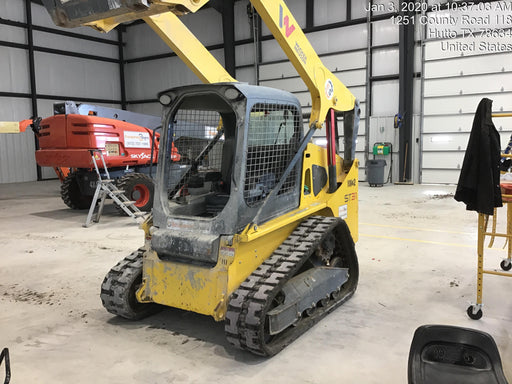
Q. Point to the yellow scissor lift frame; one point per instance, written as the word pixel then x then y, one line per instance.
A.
pixel 474 311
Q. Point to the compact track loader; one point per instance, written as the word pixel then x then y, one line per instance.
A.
pixel 252 223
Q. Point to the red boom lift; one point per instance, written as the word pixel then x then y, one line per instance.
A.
pixel 128 141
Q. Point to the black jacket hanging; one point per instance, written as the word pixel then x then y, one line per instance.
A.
pixel 479 181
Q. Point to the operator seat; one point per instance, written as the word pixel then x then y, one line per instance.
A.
pixel 442 354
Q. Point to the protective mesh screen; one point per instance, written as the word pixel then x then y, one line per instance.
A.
pixel 272 142
pixel 196 149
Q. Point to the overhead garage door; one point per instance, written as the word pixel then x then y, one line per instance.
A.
pixel 458 72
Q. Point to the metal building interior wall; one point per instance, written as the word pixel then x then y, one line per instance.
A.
pixel 45 63
pixel 337 30
pixel 42 64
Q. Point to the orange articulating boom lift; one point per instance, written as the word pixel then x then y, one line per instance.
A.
pixel 129 142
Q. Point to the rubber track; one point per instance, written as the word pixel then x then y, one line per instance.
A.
pixel 245 316
pixel 116 283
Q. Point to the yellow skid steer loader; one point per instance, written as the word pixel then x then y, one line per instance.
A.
pixel 252 223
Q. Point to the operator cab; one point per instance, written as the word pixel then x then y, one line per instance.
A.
pixel 226 147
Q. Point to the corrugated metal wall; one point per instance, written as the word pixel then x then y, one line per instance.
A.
pixel 59 76
pixel 17 162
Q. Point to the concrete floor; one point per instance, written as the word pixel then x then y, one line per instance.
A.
pixel 417 255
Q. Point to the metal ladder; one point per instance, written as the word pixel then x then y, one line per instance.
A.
pixel 107 187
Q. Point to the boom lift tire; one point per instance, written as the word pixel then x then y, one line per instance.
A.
pixel 71 194
pixel 246 323
pixel 137 187
pixel 120 285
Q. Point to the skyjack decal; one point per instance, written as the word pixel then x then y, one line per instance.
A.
pixel 288 29
pixel 141 156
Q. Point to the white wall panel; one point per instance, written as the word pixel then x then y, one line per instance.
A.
pixel 298 10
pixel 444 49
pixel 242 25
pixel 443 124
pixel 358 92
pixel 323 42
pixel 355 62
pixel 14 70
pixel 293 84
pixel 244 54
pixel 70 44
pixel 17 159
pixel 247 75
pixel 384 32
pixel 443 160
pixel 330 11
pixel 417 98
pixel 72 76
pixel 439 176
pixel 206 25
pixel 296 84
pixel 358 9
pixel 304 98
pixel 146 79
pixel 385 98
pixel 12 10
pixel 445 141
pixel 345 61
pixel 417 58
pixel 13 34
pixel 142 41
pixel 271 51
pixel 474 65
pixel 385 61
pixel 503 124
pixel 339 39
pixel 465 104
pixel 463 85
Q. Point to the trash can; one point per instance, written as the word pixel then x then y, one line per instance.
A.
pixel 376 172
